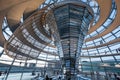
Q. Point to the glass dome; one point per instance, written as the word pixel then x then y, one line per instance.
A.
pixel 28 40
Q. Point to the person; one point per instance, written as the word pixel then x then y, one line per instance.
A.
pixel 5 72
pixel 0 73
pixel 119 49
pixel 105 52
pixel 59 78
pixel 33 73
pixel 47 78
pixel 101 42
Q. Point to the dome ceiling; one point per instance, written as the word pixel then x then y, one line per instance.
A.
pixel 106 22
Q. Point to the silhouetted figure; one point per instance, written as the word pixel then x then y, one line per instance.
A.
pixel 101 42
pixel 59 78
pixel 47 78
pixel 5 72
pixel 119 49
pixel 33 73
pixel 116 77
pixel 68 78
pixel 50 78
pixel 0 73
